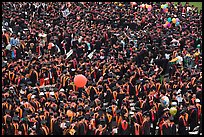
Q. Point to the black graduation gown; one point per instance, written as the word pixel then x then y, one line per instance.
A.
pixel 193 118
pixel 172 129
pixel 165 129
pixel 9 131
pixel 81 129
pixel 124 131
pixel 56 129
pixel 146 128
pixel 182 128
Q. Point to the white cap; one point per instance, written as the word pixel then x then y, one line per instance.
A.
pixel 197 100
pixel 22 92
pixel 52 93
pixel 61 90
pixel 41 94
pixel 174 104
pixel 33 96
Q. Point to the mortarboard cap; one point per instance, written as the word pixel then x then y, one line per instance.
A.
pixel 118 111
pixel 43 122
pixel 15 119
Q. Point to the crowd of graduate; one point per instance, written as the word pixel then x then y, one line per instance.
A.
pixel 137 61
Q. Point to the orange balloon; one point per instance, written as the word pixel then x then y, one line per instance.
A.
pixel 80 80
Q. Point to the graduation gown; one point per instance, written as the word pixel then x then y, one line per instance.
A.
pixel 124 128
pixel 193 118
pixel 146 128
pixel 81 129
pixel 182 126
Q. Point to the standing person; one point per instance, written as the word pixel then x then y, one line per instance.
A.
pixel 44 130
pixel 137 129
pixel 182 125
pixel 24 126
pixel 193 116
pixel 169 127
pixel 146 124
pixel 153 120
pixel 15 126
pixel 124 127
pixel 172 126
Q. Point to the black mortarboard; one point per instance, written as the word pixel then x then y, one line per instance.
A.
pixel 91 113
pixel 22 85
pixel 100 112
pixel 80 108
pixel 109 111
pixel 182 111
pixel 138 81
pixel 91 104
pixel 43 122
pixel 33 115
pixel 87 117
pixel 96 96
pixel 87 108
pixel 118 111
pixel 114 88
pixel 29 82
pixel 25 99
pixel 137 109
pixel 54 109
pixel 15 119
pixel 34 92
pixel 103 108
pixel 26 109
pixel 120 82
pixel 55 89
pixel 146 113
pixel 80 117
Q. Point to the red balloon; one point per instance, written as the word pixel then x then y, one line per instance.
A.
pixel 80 80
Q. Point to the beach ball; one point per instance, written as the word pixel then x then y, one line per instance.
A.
pixel 173 111
pixel 80 80
pixel 165 7
pixel 177 23
pixel 169 19
pixel 165 10
pixel 162 6
pixel 164 101
pixel 174 20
